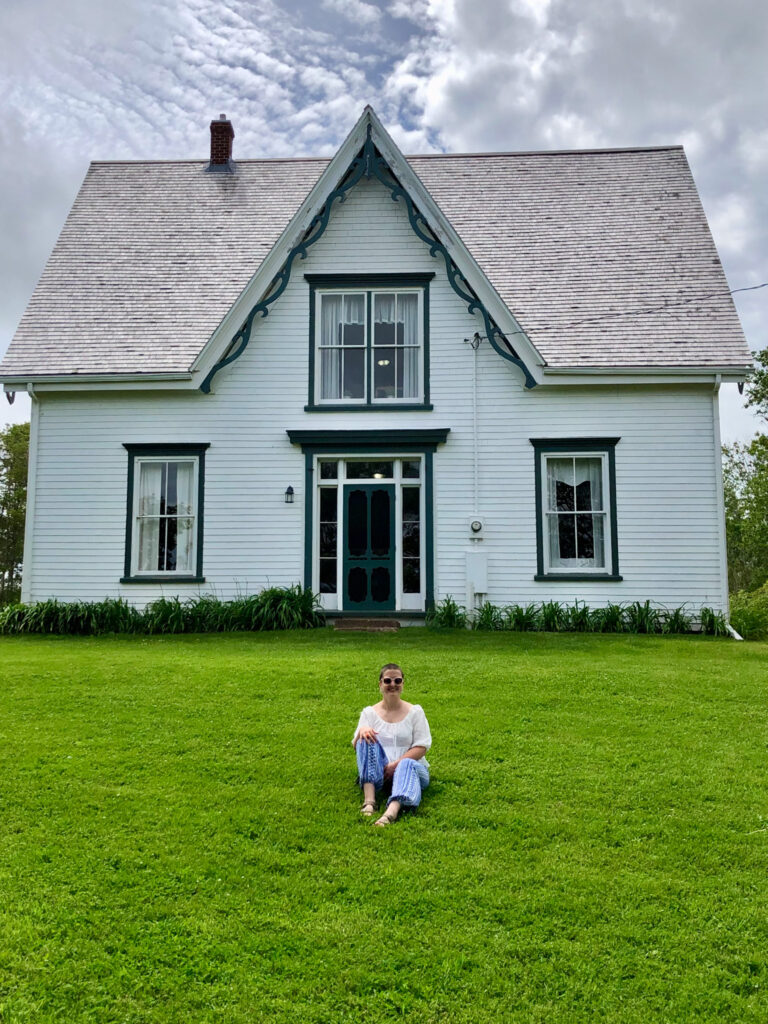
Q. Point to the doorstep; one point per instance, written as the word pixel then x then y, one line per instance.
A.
pixel 367 625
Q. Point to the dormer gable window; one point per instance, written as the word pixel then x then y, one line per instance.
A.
pixel 369 344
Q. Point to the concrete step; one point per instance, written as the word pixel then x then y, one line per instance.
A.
pixel 367 625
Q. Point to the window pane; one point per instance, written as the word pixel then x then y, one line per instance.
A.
pixel 410 504
pixel 384 319
pixel 411 576
pixel 411 540
pixel 327 575
pixel 589 540
pixel 328 471
pixel 328 505
pixel 354 320
pixel 408 315
pixel 589 484
pixel 354 373
pixel 560 495
pixel 149 544
pixel 330 319
pixel 368 470
pixel 384 373
pixel 330 373
pixel 150 488
pixel 411 469
pixel 408 373
pixel 328 540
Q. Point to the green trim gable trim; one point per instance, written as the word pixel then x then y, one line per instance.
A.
pixel 369 163
pixel 603 445
pixel 368 280
pixel 169 450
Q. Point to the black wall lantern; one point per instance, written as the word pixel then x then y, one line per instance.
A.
pixel 289 495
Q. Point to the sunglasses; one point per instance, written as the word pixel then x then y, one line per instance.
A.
pixel 397 682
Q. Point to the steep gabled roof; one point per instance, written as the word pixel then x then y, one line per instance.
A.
pixel 154 255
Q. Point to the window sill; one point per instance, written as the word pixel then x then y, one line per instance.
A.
pixel 163 579
pixel 374 407
pixel 567 577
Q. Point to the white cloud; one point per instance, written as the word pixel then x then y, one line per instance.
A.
pixel 355 10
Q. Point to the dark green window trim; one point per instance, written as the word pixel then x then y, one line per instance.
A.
pixel 602 445
pixel 169 451
pixel 365 442
pixel 370 282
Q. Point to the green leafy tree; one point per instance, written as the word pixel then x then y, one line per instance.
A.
pixel 745 484
pixel 757 385
pixel 14 455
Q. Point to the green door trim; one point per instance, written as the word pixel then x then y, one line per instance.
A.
pixel 368 605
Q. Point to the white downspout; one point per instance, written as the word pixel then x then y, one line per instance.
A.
pixel 34 432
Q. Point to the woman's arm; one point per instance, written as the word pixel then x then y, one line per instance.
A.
pixel 414 753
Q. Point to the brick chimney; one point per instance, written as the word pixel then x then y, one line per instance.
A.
pixel 222 134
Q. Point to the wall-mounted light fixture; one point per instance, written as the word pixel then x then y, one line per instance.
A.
pixel 289 495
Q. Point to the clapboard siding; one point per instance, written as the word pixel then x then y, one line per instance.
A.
pixel 669 519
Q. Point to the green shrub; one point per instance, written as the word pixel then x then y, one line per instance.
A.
pixel 577 618
pixel 610 619
pixel 713 623
pixel 642 618
pixel 676 621
pixel 749 613
pixel 273 608
pixel 446 614
pixel 521 618
pixel 551 616
pixel 488 617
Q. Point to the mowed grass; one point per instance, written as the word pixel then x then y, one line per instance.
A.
pixel 181 839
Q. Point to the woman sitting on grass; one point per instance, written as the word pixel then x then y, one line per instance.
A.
pixel 391 740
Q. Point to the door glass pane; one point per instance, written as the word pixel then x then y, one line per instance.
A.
pixel 327 504
pixel 327 540
pixel 411 469
pixel 357 523
pixel 370 470
pixel 411 540
pixel 357 584
pixel 327 575
pixel 381 585
pixel 328 470
pixel 380 520
pixel 411 576
pixel 410 504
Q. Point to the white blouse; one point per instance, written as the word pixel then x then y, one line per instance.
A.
pixel 397 737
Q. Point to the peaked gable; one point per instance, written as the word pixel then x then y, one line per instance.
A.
pixel 431 227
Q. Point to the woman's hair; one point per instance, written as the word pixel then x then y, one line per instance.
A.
pixel 387 668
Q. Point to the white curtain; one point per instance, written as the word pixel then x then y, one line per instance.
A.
pixel 408 312
pixel 153 532
pixel 185 528
pixel 330 335
pixel 575 485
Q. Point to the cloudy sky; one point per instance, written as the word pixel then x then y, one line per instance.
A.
pixel 89 79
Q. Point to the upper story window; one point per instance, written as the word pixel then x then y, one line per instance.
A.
pixel 370 342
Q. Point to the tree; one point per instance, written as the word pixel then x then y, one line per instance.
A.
pixel 14 455
pixel 745 485
pixel 757 385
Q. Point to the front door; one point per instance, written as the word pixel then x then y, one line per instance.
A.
pixel 369 547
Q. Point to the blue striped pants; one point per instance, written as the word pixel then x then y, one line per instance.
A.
pixel 408 781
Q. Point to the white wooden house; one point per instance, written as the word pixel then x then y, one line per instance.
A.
pixel 391 379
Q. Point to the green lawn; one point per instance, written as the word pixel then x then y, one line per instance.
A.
pixel 181 839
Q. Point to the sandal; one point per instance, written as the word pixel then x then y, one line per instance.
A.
pixel 385 819
pixel 368 808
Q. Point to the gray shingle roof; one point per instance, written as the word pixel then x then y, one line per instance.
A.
pixel 152 256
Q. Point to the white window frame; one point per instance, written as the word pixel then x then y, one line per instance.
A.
pixel 369 347
pixel 141 460
pixel 570 570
